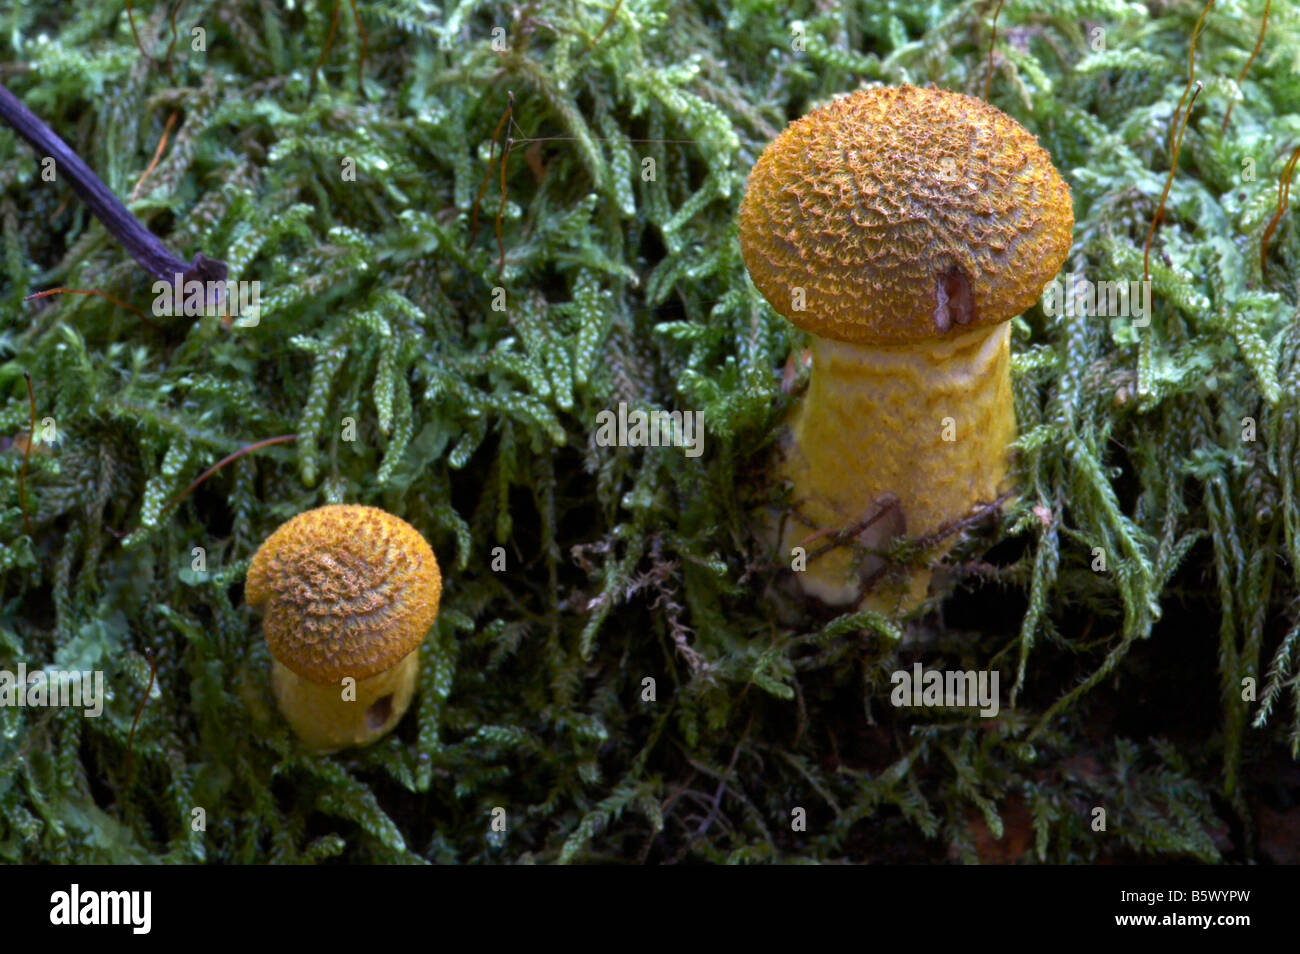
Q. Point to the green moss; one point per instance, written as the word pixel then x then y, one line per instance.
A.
pixel 475 424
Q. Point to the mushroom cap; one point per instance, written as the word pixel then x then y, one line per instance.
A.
pixel 904 214
pixel 346 590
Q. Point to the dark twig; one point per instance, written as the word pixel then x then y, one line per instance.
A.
pixel 722 781
pixel 1176 133
pixel 846 535
pixel 282 439
pixel 157 155
pixel 145 247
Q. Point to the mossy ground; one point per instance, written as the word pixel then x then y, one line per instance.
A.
pixel 1122 689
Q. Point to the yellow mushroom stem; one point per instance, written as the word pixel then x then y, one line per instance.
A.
pixel 335 715
pixel 892 441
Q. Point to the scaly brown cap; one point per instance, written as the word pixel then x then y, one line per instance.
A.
pixel 904 214
pixel 347 591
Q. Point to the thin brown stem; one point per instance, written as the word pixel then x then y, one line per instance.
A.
pixel 501 209
pixel 609 21
pixel 1191 76
pixel 145 247
pixel 130 16
pixel 487 175
pixel 361 60
pixel 167 64
pixel 1263 25
pixel 1173 169
pixel 100 294
pixel 1283 197
pixel 27 453
pixel 270 441
pixel 130 739
pixel 157 155
pixel 329 41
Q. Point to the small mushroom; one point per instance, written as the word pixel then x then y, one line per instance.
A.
pixel 901 227
pixel 348 595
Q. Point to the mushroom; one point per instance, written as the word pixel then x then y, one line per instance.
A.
pixel 349 594
pixel 903 228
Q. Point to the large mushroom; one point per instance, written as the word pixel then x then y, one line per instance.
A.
pixel 901 227
pixel 348 594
